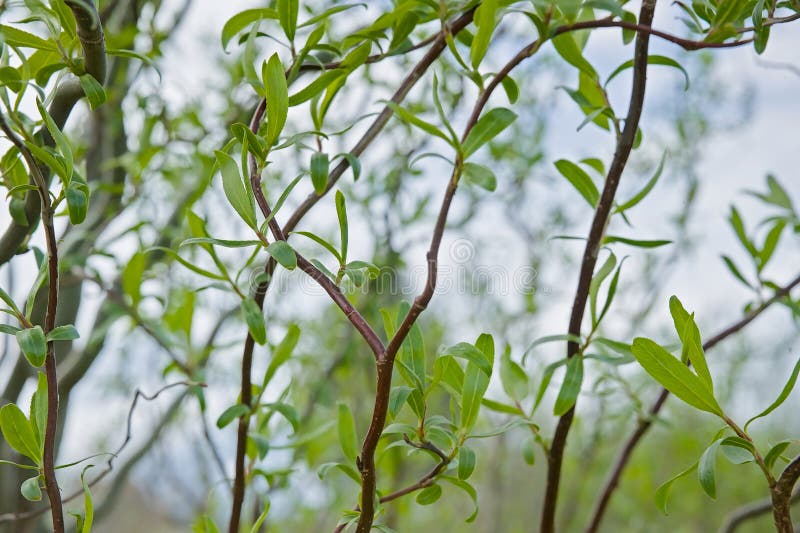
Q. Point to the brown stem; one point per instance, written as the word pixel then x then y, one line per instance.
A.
pixel 625 454
pixel 602 212
pixel 782 497
pixel 751 510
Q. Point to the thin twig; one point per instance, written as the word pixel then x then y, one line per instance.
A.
pixel 625 454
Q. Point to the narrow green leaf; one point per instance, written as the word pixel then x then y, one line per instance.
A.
pixel 263 516
pixel 254 318
pixel 480 175
pixel 674 375
pixel 468 352
pixel 93 90
pixel 429 495
pixel 232 413
pixel 319 171
pixel 690 338
pixel 348 439
pixel 635 242
pixel 513 377
pixel 242 20
pixel 639 196
pixel 317 86
pixel 662 492
pixel 59 138
pixel 88 503
pixel 775 452
pixel 235 189
pixel 471 492
pixel 787 389
pixel 287 14
pixel 571 386
pixel 341 212
pixel 33 344
pixel 16 37
pixel 427 127
pixel 485 20
pixel 487 128
pixel 283 254
pixel 653 60
pixel 38 410
pixel 735 270
pixel 706 469
pixel 568 48
pixel 277 95
pixel 282 353
pixel 63 333
pixel 319 240
pixel 770 243
pixel 466 462
pixel 580 180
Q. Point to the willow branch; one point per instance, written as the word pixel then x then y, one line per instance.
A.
pixel 601 216
pixel 92 40
pixel 626 452
pixel 782 497
pixel 750 511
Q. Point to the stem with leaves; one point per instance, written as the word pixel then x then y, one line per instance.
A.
pixel 626 452
pixel 602 212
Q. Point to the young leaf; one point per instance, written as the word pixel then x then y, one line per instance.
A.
pixel 513 377
pixel 319 171
pixel 232 413
pixel 38 409
pixel 485 20
pixel 787 389
pixel 571 386
pixel 662 492
pixel 59 138
pixel 317 86
pixel 282 353
pixel 480 175
pixel 471 492
pixel 690 338
pixel 348 439
pixel 639 196
pixel 466 462
pixel 88 503
pixel 429 495
pixel 341 212
pixel 33 344
pixel 706 469
pixel 283 254
pixel 240 21
pixel 94 91
pixel 468 352
pixel 580 180
pixel 63 333
pixel 427 127
pixel 254 318
pixel 263 516
pixel 487 128
pixel 476 381
pixel 235 189
pixel 653 60
pixel 277 95
pixel 18 433
pixel 674 376
pixel 287 14
pixel 31 490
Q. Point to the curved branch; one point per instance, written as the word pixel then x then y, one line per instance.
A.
pixel 750 511
pixel 782 497
pixel 625 454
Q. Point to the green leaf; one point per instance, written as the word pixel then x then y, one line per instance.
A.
pixel 513 377
pixel 19 433
pixel 255 320
pixel 319 172
pixel 662 492
pixel 317 86
pixel 738 227
pixel 277 95
pixel 529 451
pixel 397 399
pixel 287 14
pixel 283 254
pixel 263 516
pixel 787 389
pixel 429 495
pixel 319 240
pixel 348 439
pixel 132 277
pixel 511 88
pixel 341 212
pixel 31 490
pixel 690 338
pixel 15 37
pixel 88 503
pixel 775 452
pixel 737 450
pixel 639 196
pixel 653 60
pixel 580 180
pixel 571 386
pixel 480 175
pixel 635 242
pixel 485 17
pixel 468 352
pixel 93 90
pixel 240 21
pixel 674 376
pixel 220 242
pixel 38 410
pixel 735 270
pixel 414 120
pixel 324 470
pixel 61 141
pixel 466 462
pixel 77 195
pixel 33 344
pixel 282 353
pixel 770 243
pixel 501 407
pixel 568 48
pixel 476 381
pixel 232 413
pixel 63 333
pixel 235 190
pixel 706 469
pixel 487 128
pixel 471 492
